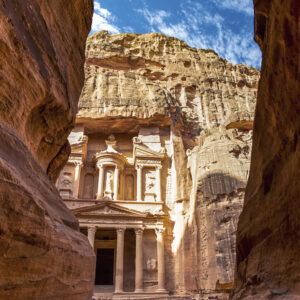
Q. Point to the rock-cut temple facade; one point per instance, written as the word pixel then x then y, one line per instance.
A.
pixel 117 186
pixel 160 157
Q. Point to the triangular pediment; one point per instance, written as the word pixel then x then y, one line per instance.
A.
pixel 144 151
pixel 107 208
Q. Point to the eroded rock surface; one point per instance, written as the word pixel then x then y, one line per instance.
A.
pixel 207 105
pixel 268 241
pixel 42 253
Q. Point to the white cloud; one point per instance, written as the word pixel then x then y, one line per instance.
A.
pixel 103 20
pixel 157 22
pixel 154 18
pixel 245 6
pixel 191 27
pixel 127 29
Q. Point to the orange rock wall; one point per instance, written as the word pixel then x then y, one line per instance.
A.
pixel 42 254
pixel 268 238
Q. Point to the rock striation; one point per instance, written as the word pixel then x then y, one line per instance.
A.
pixel 42 253
pixel 268 242
pixel 134 81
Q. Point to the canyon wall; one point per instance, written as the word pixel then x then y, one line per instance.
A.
pixel 42 253
pixel 268 237
pixel 207 104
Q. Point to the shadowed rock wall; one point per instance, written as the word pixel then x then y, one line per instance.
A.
pixel 42 254
pixel 268 238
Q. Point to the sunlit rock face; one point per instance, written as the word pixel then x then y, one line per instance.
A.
pixel 198 110
pixel 268 243
pixel 42 253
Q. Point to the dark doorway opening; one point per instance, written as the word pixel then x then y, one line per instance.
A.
pixel 105 267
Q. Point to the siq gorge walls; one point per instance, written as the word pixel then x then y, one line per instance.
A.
pixel 134 81
pixel 268 237
pixel 42 253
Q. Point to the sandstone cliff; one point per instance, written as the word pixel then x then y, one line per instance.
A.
pixel 42 254
pixel 268 241
pixel 136 80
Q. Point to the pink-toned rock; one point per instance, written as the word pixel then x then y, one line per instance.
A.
pixel 268 237
pixel 42 253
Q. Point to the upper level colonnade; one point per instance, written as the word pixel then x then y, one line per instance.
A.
pixel 113 175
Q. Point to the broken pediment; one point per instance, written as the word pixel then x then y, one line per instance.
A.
pixel 141 151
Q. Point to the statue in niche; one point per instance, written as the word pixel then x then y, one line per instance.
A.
pixel 151 264
pixel 88 186
pixel 109 184
pixel 149 186
pixel 66 185
pixel 129 187
pixel 150 182
pixel 66 181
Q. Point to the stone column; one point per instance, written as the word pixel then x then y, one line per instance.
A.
pixel 91 235
pixel 139 260
pixel 116 183
pixel 77 179
pixel 139 169
pixel 160 259
pixel 158 184
pixel 100 181
pixel 120 261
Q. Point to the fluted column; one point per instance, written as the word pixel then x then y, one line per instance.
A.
pixel 77 179
pixel 91 235
pixel 120 260
pixel 139 260
pixel 158 184
pixel 160 259
pixel 139 183
pixel 100 181
pixel 116 183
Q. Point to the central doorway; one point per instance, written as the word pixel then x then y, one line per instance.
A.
pixel 105 267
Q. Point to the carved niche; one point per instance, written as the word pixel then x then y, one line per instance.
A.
pixel 109 182
pixel 149 181
pixel 66 185
pixel 88 188
pixel 129 184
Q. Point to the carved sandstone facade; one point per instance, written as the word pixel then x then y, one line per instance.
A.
pixel 159 163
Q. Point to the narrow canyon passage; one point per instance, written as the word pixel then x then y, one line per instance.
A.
pixel 143 189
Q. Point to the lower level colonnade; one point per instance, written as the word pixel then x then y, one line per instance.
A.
pixel 119 258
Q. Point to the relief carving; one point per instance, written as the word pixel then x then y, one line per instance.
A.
pixel 88 186
pixel 109 183
pixel 129 183
pixel 66 185
pixel 149 185
pixel 151 264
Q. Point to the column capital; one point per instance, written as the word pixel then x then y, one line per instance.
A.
pixel 75 161
pixel 138 231
pixel 99 165
pixel 158 167
pixel 159 230
pixel 139 166
pixel 120 229
pixel 92 229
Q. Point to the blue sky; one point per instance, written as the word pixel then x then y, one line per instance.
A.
pixel 225 26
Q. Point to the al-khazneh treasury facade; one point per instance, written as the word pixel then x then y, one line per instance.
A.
pixel 159 165
pixel 117 186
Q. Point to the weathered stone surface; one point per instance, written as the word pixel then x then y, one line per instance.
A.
pixel 268 241
pixel 42 253
pixel 204 109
